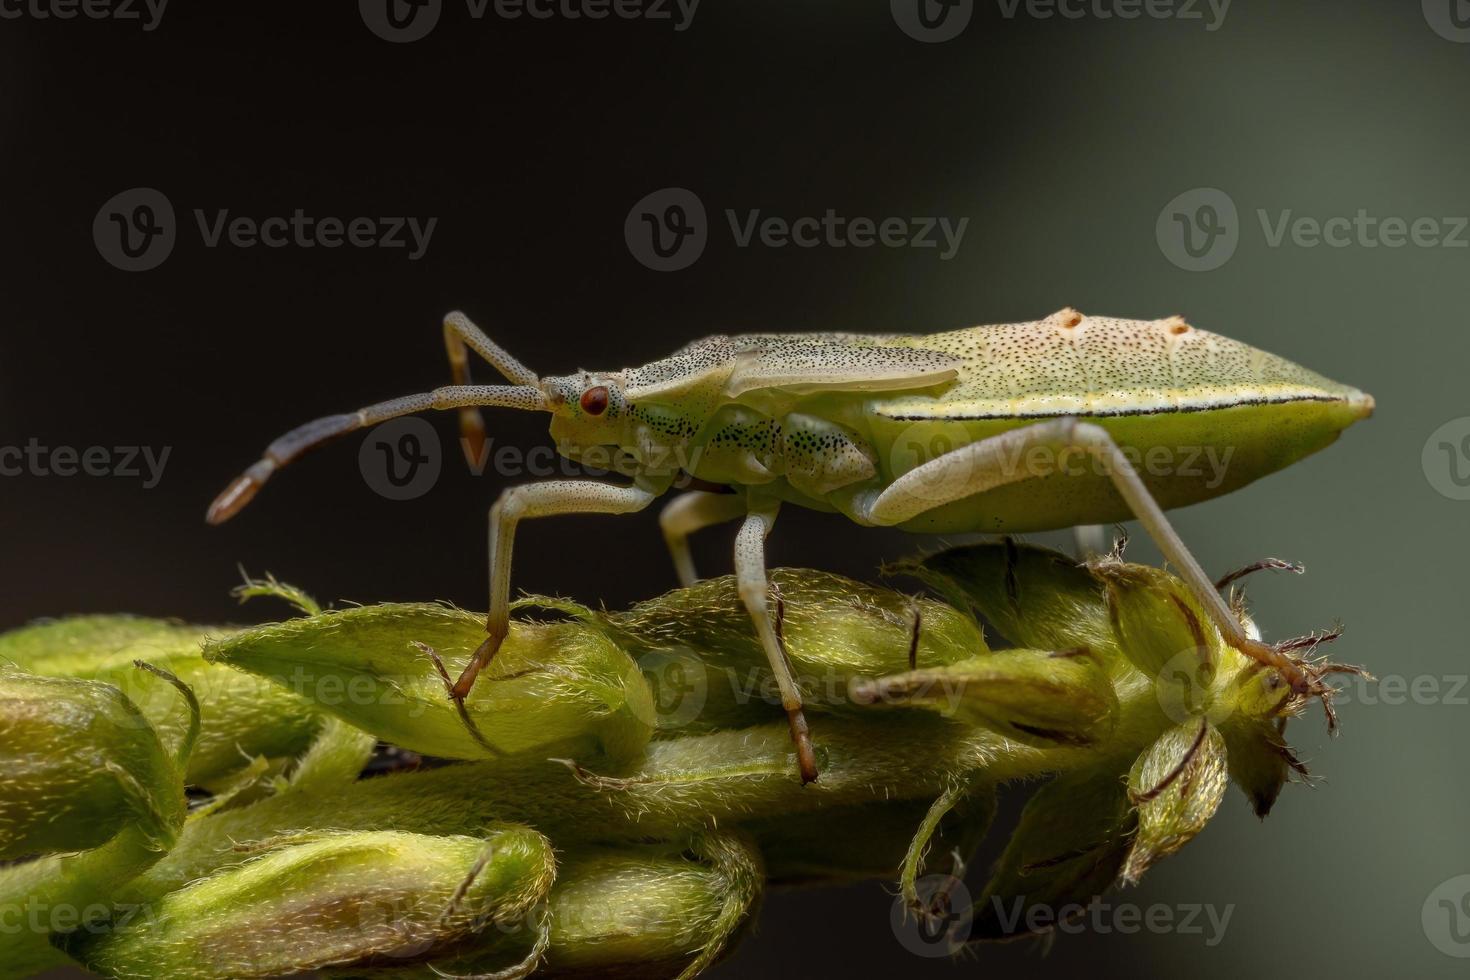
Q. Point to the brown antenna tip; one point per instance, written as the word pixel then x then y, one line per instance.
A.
pixel 240 492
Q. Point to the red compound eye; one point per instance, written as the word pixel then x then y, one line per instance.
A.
pixel 594 400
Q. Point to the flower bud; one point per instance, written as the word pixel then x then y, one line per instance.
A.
pixel 560 687
pixel 1259 760
pixel 1035 597
pixel 709 671
pixel 1155 621
pixel 331 900
pixel 1073 838
pixel 1177 785
pixel 1034 696
pixel 645 910
pixel 78 762
pixel 242 716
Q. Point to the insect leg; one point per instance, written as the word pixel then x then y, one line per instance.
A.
pixel 690 512
pixel 750 576
pixel 1005 458
pixel 459 331
pixel 515 505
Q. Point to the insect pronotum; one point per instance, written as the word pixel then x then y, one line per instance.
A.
pixel 988 428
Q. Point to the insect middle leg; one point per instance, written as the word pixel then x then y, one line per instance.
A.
pixel 750 577
pixel 515 505
pixel 690 512
pixel 996 461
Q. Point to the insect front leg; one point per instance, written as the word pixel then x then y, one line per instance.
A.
pixel 1002 459
pixel 460 332
pixel 750 577
pixel 515 505
pixel 690 512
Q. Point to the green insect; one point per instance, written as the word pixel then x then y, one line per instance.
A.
pixel 1067 421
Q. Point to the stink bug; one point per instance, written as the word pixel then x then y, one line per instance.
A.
pixel 1007 428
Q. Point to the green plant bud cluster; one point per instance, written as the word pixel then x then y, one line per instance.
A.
pixel 242 715
pixel 620 788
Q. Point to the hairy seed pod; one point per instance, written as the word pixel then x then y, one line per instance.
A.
pixel 553 688
pixel 329 900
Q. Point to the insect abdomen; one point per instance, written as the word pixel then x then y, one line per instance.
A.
pixel 1070 364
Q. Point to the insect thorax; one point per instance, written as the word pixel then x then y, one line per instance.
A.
pixel 743 446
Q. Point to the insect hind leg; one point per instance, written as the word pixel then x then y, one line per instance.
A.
pixel 1006 458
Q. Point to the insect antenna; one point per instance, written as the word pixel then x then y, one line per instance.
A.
pixel 319 431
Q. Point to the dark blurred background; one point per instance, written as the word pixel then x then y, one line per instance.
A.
pixel 1068 142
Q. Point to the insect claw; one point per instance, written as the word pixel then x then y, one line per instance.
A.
pixel 806 756
pixel 483 654
pixel 464 714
